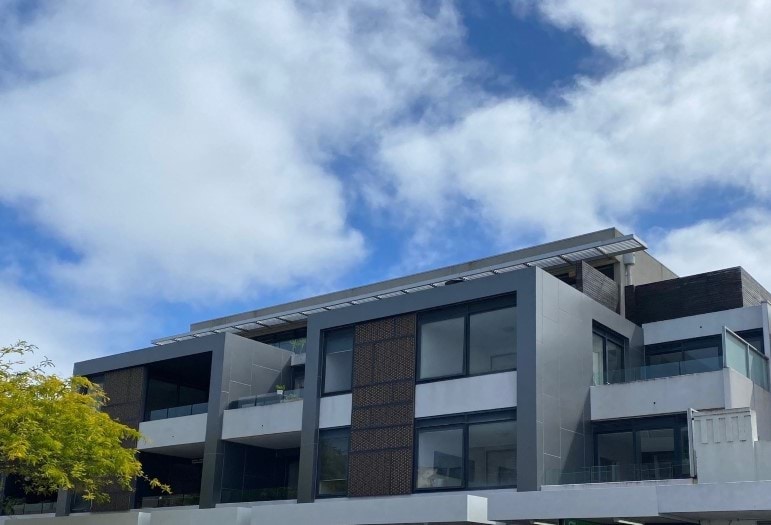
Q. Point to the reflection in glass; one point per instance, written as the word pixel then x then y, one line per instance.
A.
pixel 493 341
pixel 440 458
pixel 492 454
pixel 441 347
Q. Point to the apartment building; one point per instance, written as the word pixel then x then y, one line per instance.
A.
pixel 576 381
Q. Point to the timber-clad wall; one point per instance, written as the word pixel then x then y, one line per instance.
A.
pixel 382 419
pixel 597 285
pixel 693 295
pixel 125 388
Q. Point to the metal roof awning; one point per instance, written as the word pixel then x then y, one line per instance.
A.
pixel 564 257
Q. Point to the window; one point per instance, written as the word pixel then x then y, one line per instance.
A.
pixel 689 356
pixel 640 449
pixel 475 338
pixel 338 360
pixel 333 462
pixel 608 350
pixel 291 340
pixel 468 451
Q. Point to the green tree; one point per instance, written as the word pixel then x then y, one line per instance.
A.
pixel 54 435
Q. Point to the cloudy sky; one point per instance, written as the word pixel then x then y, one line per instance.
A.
pixel 168 162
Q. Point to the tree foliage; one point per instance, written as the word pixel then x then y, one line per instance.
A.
pixel 54 435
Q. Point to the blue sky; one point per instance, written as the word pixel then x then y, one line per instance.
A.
pixel 165 163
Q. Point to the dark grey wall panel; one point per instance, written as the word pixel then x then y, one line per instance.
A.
pixel 241 368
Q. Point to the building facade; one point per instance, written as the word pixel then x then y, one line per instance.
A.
pixel 579 380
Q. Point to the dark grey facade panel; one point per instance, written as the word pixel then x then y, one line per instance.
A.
pixel 148 355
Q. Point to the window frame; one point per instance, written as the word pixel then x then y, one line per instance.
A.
pixel 609 335
pixel 323 382
pixel 333 432
pixel 464 310
pixel 462 421
pixel 675 422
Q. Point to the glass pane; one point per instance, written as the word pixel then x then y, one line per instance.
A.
pixel 493 341
pixel 161 394
pixel 657 453
pixel 663 365
pixel 338 352
pixel 615 361
pixel 440 458
pixel 441 347
pixel 492 454
pixel 615 456
pixel 736 354
pixel 706 359
pixel 758 370
pixel 337 372
pixel 598 368
pixel 333 464
pixel 685 467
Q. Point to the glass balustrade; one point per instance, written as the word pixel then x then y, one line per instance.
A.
pixel 284 396
pixel 184 410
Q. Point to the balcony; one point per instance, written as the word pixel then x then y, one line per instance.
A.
pixel 269 420
pixel 619 473
pixel 267 494
pixel 20 509
pixel 170 500
pixel 657 371
pixel 181 435
pixel 181 411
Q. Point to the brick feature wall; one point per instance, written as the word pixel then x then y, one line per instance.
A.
pixel 126 389
pixel 693 295
pixel 382 420
pixel 597 285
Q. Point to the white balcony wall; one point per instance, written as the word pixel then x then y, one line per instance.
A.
pixel 335 411
pixel 279 418
pixel 467 394
pixel 172 432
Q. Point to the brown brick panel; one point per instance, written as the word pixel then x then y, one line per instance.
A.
pixel 125 389
pixel 382 420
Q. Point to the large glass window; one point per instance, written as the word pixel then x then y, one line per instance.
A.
pixel 608 350
pixel 492 454
pixel 466 451
pixel 338 360
pixel 441 345
pixel 333 462
pixel 475 338
pixel 440 458
pixel 640 449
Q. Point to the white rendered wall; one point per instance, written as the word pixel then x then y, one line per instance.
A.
pixel 335 411
pixel 467 394
pixel 693 326
pixel 185 430
pixel 665 395
pixel 264 420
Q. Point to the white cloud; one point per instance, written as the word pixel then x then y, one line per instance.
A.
pixel 61 334
pixel 688 107
pixel 180 149
pixel 741 239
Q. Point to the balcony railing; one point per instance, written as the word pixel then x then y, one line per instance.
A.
pixel 44 507
pixel 677 368
pixel 619 473
pixel 170 500
pixel 287 396
pixel 185 410
pixel 266 494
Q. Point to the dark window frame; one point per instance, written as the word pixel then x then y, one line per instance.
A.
pixel 454 311
pixel 462 421
pixel 324 335
pixel 609 335
pixel 332 432
pixel 675 422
